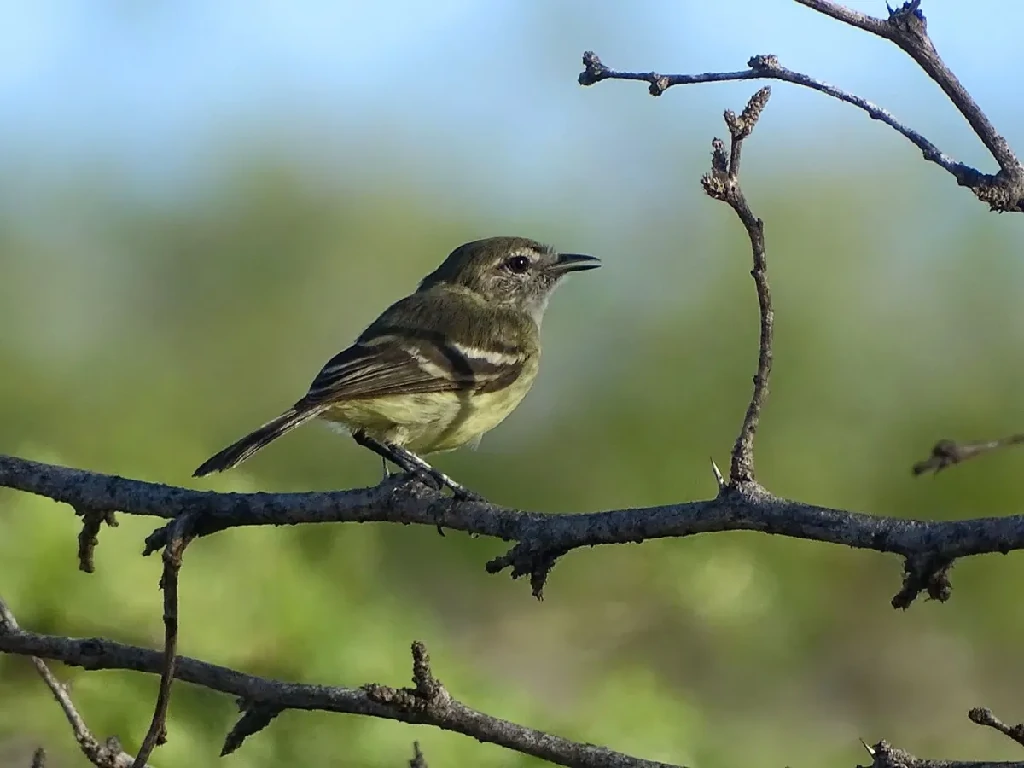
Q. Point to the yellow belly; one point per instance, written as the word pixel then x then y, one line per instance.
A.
pixel 431 422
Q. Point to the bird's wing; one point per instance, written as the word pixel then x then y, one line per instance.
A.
pixel 397 358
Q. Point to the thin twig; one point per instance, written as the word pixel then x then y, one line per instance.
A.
pixel 722 183
pixel 1002 192
pixel 427 703
pixel 178 537
pixel 418 760
pixel 106 755
pixel 985 716
pixel 767 67
pixel 948 453
pixel 88 539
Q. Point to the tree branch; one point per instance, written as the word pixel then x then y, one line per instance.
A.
pixel 540 538
pixel 906 27
pixel 427 703
pixel 741 503
pixel 418 760
pixel 985 716
pixel 948 453
pixel 179 533
pixel 106 755
pixel 722 183
pixel 884 755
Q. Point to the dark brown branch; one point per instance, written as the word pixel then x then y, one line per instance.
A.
pixel 427 703
pixel 39 758
pixel 88 539
pixel 106 755
pixel 722 183
pixel 985 716
pixel 256 715
pixel 905 27
pixel 948 453
pixel 540 538
pixel 179 533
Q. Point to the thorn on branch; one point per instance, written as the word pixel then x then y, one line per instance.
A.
pixel 718 476
pixel 428 693
pixel 885 755
pixel 39 758
pixel 418 760
pixel 924 573
pixel 256 715
pixel 88 539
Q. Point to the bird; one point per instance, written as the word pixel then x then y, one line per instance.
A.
pixel 438 368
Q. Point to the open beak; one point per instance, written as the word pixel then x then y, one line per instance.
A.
pixel 574 262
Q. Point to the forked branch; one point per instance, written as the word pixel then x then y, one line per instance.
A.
pixel 906 27
pixel 929 548
pixel 427 702
pixel 106 755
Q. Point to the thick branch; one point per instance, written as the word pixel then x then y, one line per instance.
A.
pixel 539 537
pixel 426 704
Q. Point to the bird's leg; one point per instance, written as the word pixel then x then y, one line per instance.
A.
pixel 408 461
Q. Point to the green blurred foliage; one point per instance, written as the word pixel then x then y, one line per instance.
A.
pixel 139 337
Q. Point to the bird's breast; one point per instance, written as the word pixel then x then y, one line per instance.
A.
pixel 428 422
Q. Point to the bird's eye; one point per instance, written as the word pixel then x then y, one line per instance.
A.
pixel 518 264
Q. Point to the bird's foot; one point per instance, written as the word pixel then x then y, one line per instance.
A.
pixel 413 465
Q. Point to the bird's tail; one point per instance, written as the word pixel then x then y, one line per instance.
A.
pixel 242 449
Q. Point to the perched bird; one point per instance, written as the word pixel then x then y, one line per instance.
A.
pixel 438 368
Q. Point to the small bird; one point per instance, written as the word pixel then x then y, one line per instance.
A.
pixel 438 368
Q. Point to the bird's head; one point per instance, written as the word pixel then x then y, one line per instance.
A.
pixel 512 272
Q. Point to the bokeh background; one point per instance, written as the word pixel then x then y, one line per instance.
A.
pixel 201 202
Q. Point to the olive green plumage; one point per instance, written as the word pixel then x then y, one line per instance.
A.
pixel 442 366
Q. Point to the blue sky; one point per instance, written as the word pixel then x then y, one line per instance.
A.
pixel 154 88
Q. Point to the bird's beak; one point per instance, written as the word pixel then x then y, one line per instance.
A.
pixel 574 262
